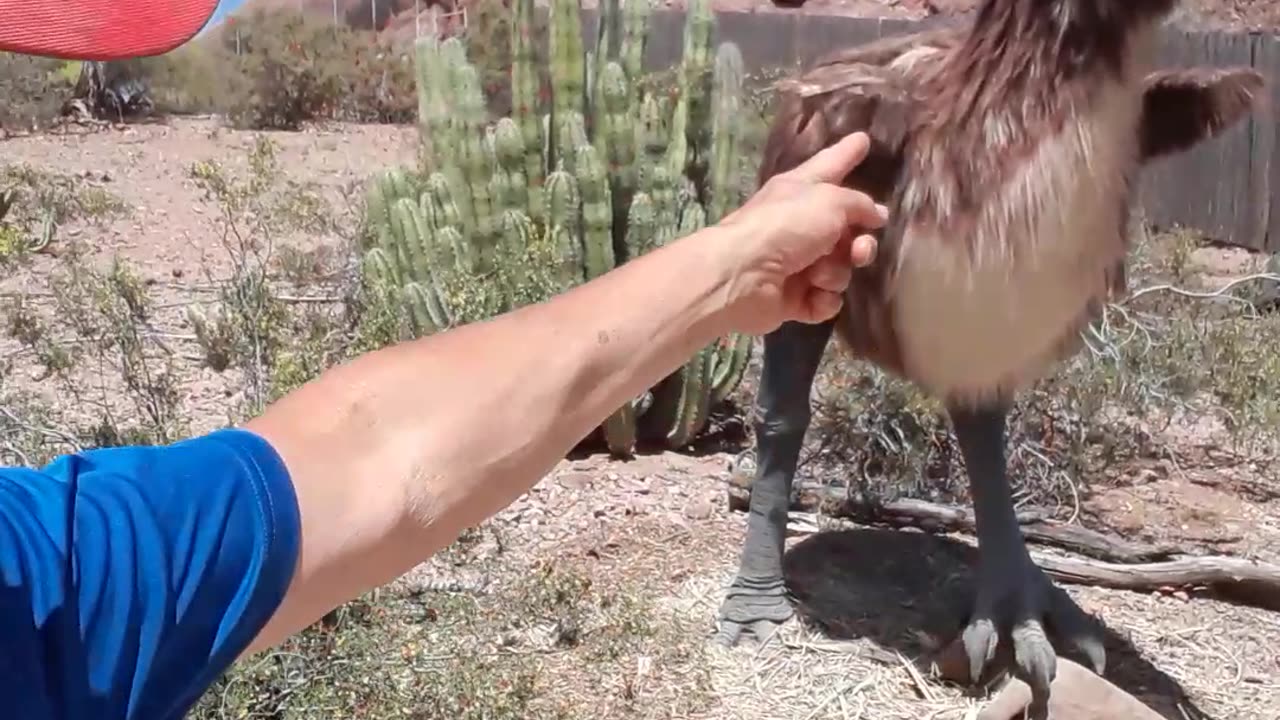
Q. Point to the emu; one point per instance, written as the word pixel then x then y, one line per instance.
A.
pixel 1008 152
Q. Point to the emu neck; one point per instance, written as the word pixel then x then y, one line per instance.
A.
pixel 1024 71
pixel 1019 47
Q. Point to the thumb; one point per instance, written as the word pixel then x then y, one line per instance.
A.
pixel 836 161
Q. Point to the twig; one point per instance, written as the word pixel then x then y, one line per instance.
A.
pixel 1199 294
pixel 916 679
pixel 315 300
pixel 46 431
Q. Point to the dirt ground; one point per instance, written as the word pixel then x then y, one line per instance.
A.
pixel 662 521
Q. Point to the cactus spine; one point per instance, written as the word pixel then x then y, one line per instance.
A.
pixel 581 177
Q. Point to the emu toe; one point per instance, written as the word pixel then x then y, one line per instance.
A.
pixel 752 607
pixel 1015 606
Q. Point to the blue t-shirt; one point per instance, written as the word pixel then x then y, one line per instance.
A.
pixel 131 578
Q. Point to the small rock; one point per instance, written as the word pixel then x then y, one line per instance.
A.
pixel 574 481
pixel 699 509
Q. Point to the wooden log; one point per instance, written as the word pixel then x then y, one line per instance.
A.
pixel 935 517
pixel 1241 580
pixel 1250 582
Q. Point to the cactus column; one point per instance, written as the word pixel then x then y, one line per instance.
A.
pixel 588 175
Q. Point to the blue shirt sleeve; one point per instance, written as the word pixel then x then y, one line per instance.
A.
pixel 131 578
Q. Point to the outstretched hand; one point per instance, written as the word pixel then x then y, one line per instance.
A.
pixel 796 241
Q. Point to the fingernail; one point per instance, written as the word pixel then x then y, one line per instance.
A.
pixel 882 211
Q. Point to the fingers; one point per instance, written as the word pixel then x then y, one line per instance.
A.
pixel 862 251
pixel 831 273
pixel 821 305
pixel 859 210
pixel 835 162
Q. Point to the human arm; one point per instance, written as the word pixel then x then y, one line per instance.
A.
pixel 395 453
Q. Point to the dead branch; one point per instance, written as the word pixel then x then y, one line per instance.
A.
pixel 1250 582
pixel 1241 580
pixel 934 517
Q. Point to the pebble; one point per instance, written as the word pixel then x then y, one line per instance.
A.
pixel 574 481
pixel 700 509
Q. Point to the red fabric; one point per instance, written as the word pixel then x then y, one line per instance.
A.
pixel 100 29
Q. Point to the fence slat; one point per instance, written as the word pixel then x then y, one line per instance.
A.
pixel 817 35
pixel 1261 133
pixel 1267 61
pixel 764 45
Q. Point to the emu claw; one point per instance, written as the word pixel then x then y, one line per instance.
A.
pixel 1019 605
pixel 753 607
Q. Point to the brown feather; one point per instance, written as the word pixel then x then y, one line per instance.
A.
pixel 1184 107
pixel 955 113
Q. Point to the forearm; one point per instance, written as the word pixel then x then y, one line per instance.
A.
pixel 397 452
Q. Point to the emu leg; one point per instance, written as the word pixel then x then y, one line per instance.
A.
pixel 757 601
pixel 1015 600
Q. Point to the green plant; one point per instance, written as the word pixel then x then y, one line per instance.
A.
pixel 288 68
pixel 35 203
pixel 34 89
pixel 569 185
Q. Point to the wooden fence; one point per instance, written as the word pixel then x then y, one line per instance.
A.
pixel 1222 188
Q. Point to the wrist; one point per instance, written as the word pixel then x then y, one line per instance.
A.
pixel 713 270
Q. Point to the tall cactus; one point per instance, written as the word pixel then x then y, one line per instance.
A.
pixel 526 84
pixel 568 67
pixel 696 93
pixel 580 178
pixel 726 135
pixel 509 187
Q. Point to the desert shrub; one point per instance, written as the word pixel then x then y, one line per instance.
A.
pixel 295 68
pixel 107 346
pixel 251 326
pixel 34 90
pixel 35 202
pixel 93 339
pixel 192 79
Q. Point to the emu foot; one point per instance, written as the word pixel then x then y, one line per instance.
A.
pixel 1017 603
pixel 754 607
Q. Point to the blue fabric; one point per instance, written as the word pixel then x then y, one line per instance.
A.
pixel 132 578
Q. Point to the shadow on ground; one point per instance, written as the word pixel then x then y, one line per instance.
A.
pixel 910 592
